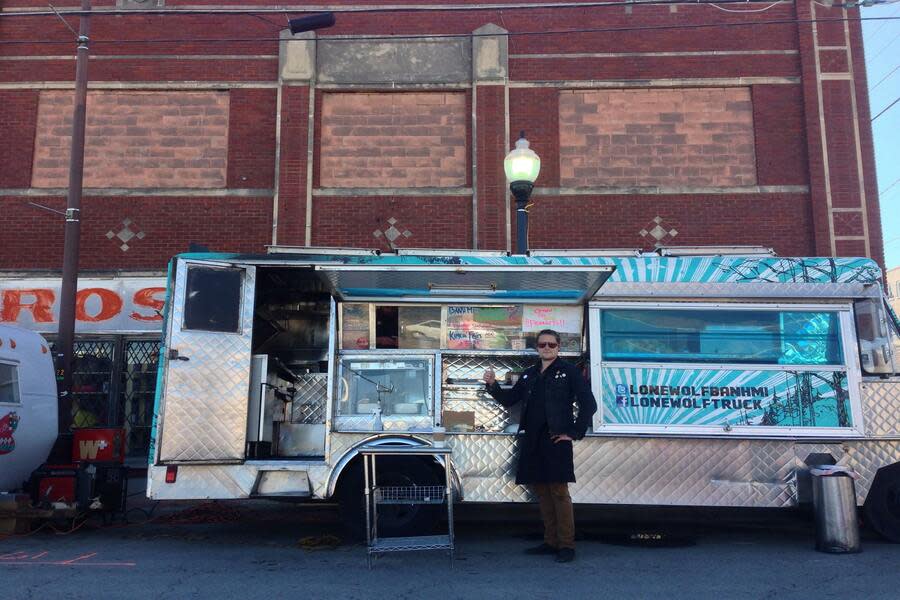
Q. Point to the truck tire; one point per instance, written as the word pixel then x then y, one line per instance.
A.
pixel 394 520
pixel 882 507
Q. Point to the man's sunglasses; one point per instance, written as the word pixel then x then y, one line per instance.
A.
pixel 551 345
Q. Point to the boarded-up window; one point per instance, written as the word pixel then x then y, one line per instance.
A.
pixel 400 140
pixel 672 137
pixel 135 140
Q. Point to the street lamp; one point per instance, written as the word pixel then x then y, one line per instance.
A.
pixel 522 166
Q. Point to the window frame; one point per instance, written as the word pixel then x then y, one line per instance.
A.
pixel 242 273
pixel 442 348
pixel 850 365
pixel 18 383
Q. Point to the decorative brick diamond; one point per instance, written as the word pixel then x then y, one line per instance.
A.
pixel 658 231
pixel 126 234
pixel 392 233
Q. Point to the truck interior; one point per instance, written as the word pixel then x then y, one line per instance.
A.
pixel 289 373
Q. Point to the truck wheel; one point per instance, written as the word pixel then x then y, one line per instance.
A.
pixel 394 520
pixel 882 507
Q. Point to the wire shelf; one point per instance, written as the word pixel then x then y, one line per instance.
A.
pixel 407 544
pixel 426 494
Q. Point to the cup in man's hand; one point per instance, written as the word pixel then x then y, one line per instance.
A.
pixel 490 377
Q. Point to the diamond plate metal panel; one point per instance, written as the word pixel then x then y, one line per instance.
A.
pixel 204 412
pixel 486 465
pixel 684 472
pixel 490 416
pixel 310 399
pixel 866 457
pixel 881 408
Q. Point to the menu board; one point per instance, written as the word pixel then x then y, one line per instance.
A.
pixel 565 320
pixel 484 328
pixel 355 326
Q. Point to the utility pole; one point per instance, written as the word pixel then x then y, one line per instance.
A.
pixel 66 335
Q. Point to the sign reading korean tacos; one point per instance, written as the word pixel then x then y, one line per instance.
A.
pixel 115 305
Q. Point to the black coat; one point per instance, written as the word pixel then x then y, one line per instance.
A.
pixel 564 389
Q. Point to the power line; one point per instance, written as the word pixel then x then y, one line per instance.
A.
pixel 432 36
pixel 880 27
pixel 377 9
pixel 885 190
pixel 887 108
pixel 883 79
pixel 883 48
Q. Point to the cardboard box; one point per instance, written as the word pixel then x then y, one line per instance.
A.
pixel 458 420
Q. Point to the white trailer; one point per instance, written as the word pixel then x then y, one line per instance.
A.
pixel 720 375
pixel 28 405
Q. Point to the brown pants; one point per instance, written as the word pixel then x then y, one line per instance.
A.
pixel 557 514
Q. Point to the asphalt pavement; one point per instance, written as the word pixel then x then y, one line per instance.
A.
pixel 264 549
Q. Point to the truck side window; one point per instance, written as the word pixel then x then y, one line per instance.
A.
pixel 875 356
pixel 9 384
pixel 212 301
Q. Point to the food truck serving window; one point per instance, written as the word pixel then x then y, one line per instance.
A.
pixel 719 367
pixel 9 384
pixel 722 336
pixel 457 326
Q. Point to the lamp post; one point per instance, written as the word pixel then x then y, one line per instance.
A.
pixel 522 166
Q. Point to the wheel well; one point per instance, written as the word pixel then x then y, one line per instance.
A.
pixel 352 462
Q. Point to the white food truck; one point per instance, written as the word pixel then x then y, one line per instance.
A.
pixel 720 375
pixel 28 414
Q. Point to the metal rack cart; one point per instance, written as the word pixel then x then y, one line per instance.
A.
pixel 432 494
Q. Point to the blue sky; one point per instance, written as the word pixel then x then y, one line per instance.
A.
pixel 882 48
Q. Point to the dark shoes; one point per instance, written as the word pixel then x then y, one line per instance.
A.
pixel 565 555
pixel 542 549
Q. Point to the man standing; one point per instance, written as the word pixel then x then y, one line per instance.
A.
pixel 547 391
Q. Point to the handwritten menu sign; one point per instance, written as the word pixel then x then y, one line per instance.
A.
pixel 565 320
pixel 484 327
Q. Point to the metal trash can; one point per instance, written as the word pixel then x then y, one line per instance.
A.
pixel 834 503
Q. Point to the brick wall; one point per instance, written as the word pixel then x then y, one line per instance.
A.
pixel 434 222
pixel 384 140
pixel 251 138
pixel 780 135
pixel 616 221
pixel 292 172
pixel 31 239
pixel 694 137
pixel 136 140
pixel 17 123
pixel 784 136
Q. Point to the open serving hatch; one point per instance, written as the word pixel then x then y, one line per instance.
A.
pixel 487 283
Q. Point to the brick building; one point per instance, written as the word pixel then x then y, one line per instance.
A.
pixel 678 124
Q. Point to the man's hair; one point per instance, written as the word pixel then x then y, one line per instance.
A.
pixel 549 332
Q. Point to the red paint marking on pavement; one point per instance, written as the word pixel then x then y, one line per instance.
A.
pixel 70 564
pixel 18 555
pixel 77 558
pixel 40 555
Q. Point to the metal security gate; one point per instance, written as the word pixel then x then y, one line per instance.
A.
pixel 92 381
pixel 113 385
pixel 136 392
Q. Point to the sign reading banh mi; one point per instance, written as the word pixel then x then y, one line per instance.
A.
pixel 513 327
pixel 114 305
pixel 801 398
